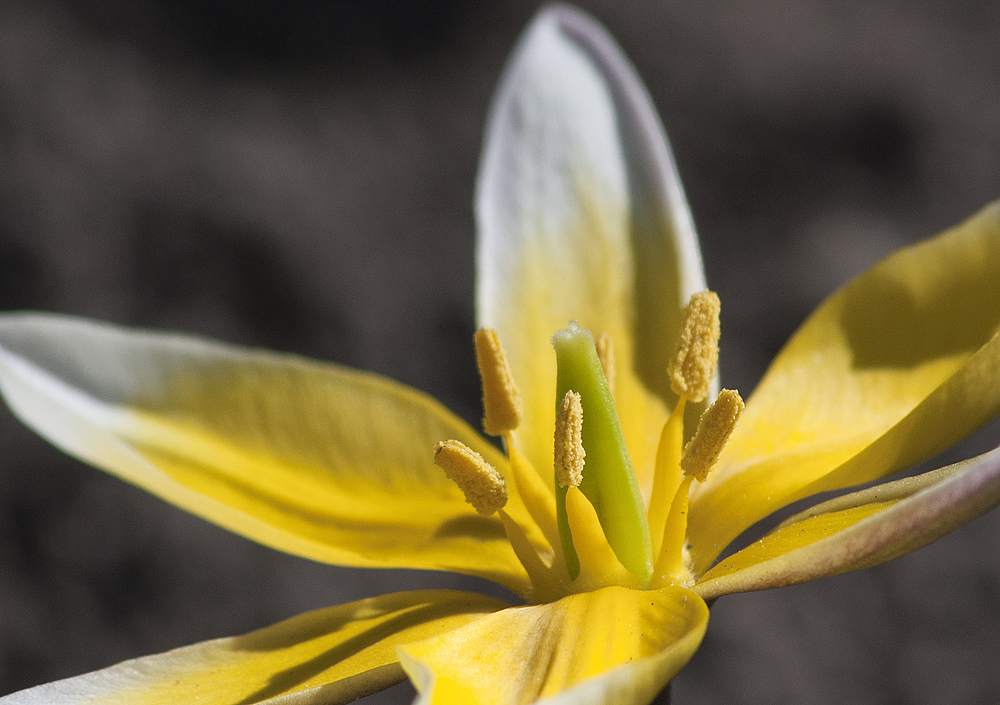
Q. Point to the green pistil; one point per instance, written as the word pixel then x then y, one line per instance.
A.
pixel 608 478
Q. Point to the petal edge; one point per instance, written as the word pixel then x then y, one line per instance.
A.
pixel 862 529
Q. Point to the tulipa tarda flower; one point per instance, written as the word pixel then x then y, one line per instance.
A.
pixel 619 484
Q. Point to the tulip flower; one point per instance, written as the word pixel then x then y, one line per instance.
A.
pixel 621 473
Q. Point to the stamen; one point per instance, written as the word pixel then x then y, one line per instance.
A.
pixel 693 367
pixel 544 583
pixel 537 497
pixel 670 568
pixel 569 451
pixel 599 566
pixel 502 405
pixel 714 429
pixel 667 474
pixel 606 354
pixel 483 485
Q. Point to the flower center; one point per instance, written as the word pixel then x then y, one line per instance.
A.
pixel 592 529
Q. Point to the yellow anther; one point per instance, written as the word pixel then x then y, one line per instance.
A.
pixel 569 452
pixel 606 354
pixel 714 429
pixel 693 367
pixel 483 486
pixel 502 405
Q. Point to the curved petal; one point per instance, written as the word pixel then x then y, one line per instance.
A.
pixel 898 365
pixel 581 216
pixel 862 529
pixel 309 458
pixel 610 646
pixel 328 656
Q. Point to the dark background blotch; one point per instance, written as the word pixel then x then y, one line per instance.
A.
pixel 299 176
pixel 256 35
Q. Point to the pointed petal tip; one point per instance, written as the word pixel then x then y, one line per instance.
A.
pixel 580 214
pixel 895 367
pixel 309 458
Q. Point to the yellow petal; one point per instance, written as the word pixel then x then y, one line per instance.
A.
pixel 897 366
pixel 581 216
pixel 614 645
pixel 312 459
pixel 328 656
pixel 862 529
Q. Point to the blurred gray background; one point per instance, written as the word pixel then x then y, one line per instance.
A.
pixel 299 175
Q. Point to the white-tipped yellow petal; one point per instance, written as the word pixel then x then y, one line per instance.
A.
pixel 333 655
pixel 581 216
pixel 900 364
pixel 614 645
pixel 862 529
pixel 309 458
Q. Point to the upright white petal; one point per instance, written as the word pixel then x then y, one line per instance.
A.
pixel 581 216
